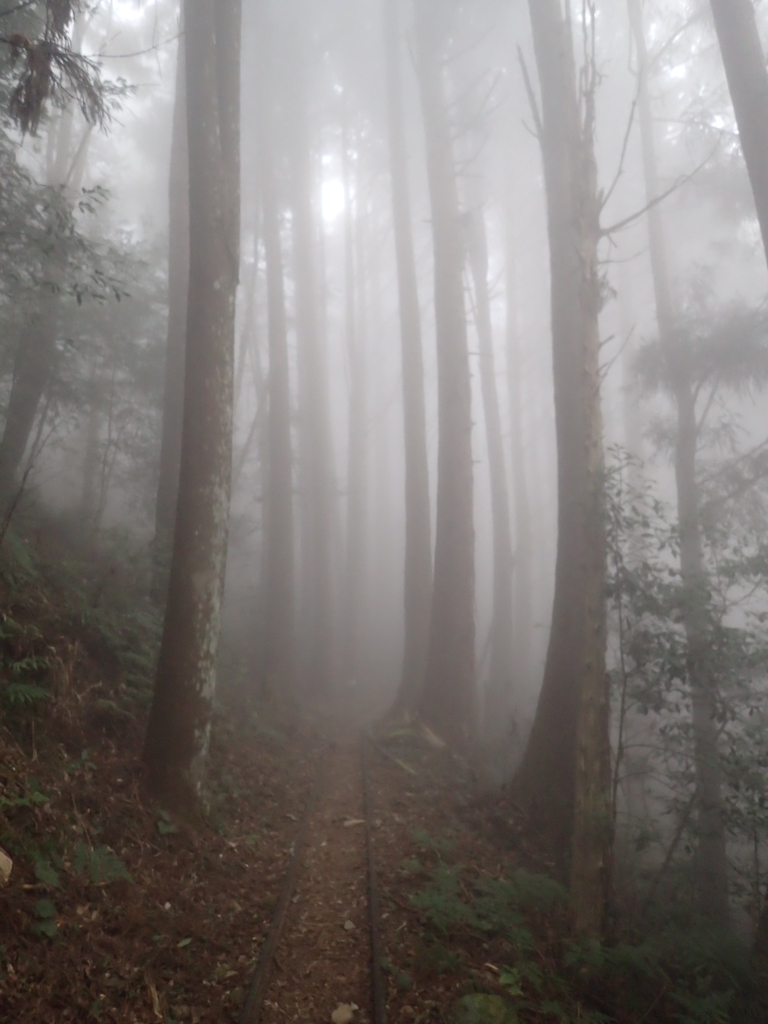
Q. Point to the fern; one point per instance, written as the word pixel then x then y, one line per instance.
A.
pixel 32 663
pixel 441 902
pixel 24 695
pixel 435 958
pixel 10 629
pixel 440 846
pixel 704 1006
pixel 113 709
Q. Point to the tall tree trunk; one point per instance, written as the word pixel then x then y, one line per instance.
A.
pixel 418 528
pixel 88 501
pixel 564 778
pixel 34 361
pixel 747 75
pixel 279 639
pixel 178 284
pixel 500 681
pixel 179 725
pixel 711 859
pixel 316 483
pixel 447 703
pixel 248 335
pixel 354 244
pixel 522 597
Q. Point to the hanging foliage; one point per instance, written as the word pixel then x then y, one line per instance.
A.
pixel 49 70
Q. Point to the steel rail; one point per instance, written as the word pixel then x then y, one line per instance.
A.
pixel 377 976
pixel 251 1011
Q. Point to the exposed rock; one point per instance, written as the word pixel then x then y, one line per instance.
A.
pixel 6 867
pixel 343 1013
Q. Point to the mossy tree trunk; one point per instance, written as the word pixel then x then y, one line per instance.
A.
pixel 564 779
pixel 180 719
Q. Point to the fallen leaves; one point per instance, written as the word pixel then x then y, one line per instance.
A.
pixel 191 898
pixel 154 997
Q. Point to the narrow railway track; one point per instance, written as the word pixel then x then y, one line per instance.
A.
pixel 321 959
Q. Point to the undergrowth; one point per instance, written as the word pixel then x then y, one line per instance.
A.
pixel 518 927
pixel 70 625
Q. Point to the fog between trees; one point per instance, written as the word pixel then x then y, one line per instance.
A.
pixel 432 385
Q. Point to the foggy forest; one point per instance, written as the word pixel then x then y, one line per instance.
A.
pixel 384 511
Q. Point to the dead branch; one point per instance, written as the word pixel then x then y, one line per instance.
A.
pixel 675 187
pixel 538 123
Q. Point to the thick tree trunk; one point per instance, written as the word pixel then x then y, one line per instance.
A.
pixel 500 682
pixel 178 284
pixel 357 457
pixel 88 499
pixel 447 703
pixel 564 778
pixel 711 859
pixel 279 638
pixel 522 599
pixel 179 725
pixel 418 528
pixel 316 482
pixel 747 74
pixel 32 369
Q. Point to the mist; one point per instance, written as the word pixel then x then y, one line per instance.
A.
pixel 397 368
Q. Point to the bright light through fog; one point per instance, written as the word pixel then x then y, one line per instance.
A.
pixel 128 10
pixel 333 199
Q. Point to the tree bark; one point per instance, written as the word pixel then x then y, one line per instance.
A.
pixel 279 638
pixel 355 311
pixel 448 699
pixel 500 682
pixel 522 600
pixel 417 592
pixel 564 779
pixel 32 369
pixel 711 859
pixel 248 341
pixel 747 75
pixel 88 500
pixel 180 719
pixel 178 284
pixel 316 483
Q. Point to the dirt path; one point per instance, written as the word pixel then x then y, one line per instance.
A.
pixel 323 960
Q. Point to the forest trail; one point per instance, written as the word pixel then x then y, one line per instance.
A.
pixel 425 825
pixel 324 956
